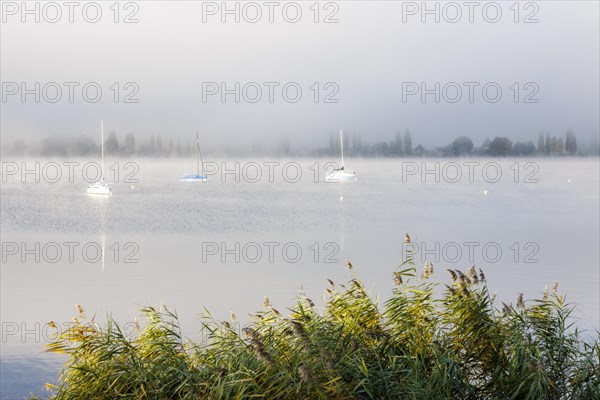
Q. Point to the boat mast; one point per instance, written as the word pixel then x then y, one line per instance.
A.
pixel 342 146
pixel 197 154
pixel 201 161
pixel 102 143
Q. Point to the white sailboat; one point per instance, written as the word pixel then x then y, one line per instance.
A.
pixel 197 177
pixel 100 187
pixel 341 174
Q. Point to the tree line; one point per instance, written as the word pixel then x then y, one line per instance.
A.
pixel 400 146
pixel 83 145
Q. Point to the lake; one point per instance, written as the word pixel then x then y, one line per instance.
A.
pixel 271 226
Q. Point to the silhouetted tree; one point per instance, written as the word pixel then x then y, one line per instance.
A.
pixel 62 146
pixel 53 146
pixel 407 143
pixel 553 145
pixel 523 149
pixel 560 146
pixel 159 146
pixel 548 143
pixel 398 148
pixel 485 146
pixel 111 145
pixel 541 145
pixel 571 142
pixel 500 146
pixel 83 145
pixel 461 145
pixel 381 149
pixel 128 147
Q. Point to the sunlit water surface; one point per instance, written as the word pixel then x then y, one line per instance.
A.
pixel 177 233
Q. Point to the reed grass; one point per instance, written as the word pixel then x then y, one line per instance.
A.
pixel 458 344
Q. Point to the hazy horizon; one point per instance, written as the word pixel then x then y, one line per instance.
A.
pixel 370 56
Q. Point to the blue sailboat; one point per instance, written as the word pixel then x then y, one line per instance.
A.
pixel 197 177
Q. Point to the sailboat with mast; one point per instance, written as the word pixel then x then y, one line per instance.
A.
pixel 341 174
pixel 100 187
pixel 197 177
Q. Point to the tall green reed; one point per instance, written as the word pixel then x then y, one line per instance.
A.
pixel 427 341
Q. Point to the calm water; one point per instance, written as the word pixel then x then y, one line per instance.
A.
pixel 524 234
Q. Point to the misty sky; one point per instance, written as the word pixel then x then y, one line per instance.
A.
pixel 368 54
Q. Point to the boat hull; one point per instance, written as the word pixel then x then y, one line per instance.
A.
pixel 341 175
pixel 193 178
pixel 99 190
